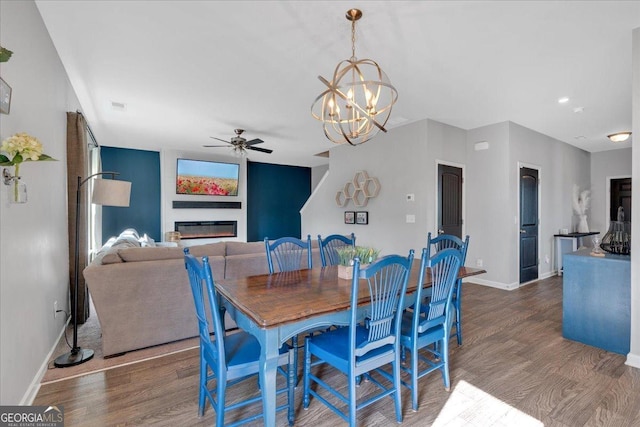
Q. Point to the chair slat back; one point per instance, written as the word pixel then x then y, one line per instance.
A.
pixel 288 253
pixel 447 241
pixel 201 281
pixel 329 247
pixel 386 280
pixel 444 267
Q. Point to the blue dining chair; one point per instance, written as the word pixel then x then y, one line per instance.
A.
pixel 445 241
pixel 230 358
pixel 367 343
pixel 430 325
pixel 329 247
pixel 288 253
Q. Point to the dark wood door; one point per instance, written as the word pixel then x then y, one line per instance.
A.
pixel 620 196
pixel 449 200
pixel 528 224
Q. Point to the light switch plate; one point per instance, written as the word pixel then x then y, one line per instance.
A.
pixel 411 219
pixel 411 197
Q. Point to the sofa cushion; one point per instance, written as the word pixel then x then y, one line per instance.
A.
pixel 210 249
pixel 239 248
pixel 159 253
pixel 109 257
pixel 150 254
pixel 246 265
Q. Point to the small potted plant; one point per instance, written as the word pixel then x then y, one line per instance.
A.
pixel 348 253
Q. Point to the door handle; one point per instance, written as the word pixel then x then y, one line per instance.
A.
pixel 440 231
pixel 522 231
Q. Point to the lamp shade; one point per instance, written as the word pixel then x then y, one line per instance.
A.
pixel 111 192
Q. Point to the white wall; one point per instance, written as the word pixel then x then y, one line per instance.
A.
pixel 634 355
pixel 604 166
pixel 317 173
pixel 168 195
pixel 33 244
pixel 489 207
pixel 398 160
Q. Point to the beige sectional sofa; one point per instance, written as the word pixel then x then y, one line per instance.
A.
pixel 142 295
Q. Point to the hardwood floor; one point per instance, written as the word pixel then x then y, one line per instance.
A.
pixel 513 369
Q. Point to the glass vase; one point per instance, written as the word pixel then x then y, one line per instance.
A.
pixel 18 191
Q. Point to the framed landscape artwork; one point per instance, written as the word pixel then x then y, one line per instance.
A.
pixel 349 217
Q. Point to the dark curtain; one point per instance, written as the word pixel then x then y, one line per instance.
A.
pixel 77 166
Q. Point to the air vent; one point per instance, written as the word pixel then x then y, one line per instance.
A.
pixel 118 106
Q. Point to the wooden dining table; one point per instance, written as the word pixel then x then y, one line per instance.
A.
pixel 275 307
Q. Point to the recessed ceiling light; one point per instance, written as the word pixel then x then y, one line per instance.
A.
pixel 619 137
pixel 563 100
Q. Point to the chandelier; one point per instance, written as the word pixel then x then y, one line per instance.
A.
pixel 358 100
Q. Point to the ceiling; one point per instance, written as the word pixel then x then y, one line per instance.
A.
pixel 188 70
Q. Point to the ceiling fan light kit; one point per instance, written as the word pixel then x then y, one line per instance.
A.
pixel 358 100
pixel 619 136
pixel 240 145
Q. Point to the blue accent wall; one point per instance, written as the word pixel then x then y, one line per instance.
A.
pixel 275 195
pixel 142 169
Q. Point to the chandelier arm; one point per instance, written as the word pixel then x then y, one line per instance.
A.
pixel 333 88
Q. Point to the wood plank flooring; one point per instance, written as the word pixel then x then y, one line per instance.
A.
pixel 513 369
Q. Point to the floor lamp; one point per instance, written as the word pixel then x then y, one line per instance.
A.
pixel 106 192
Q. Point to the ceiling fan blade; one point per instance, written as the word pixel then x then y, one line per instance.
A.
pixel 262 150
pixel 213 137
pixel 210 146
pixel 254 141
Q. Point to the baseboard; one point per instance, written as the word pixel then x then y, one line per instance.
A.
pixel 548 274
pixel 34 387
pixel 507 286
pixel 492 284
pixel 633 360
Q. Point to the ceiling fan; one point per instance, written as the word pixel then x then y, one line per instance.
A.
pixel 240 144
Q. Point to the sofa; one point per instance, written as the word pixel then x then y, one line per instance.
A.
pixel 141 293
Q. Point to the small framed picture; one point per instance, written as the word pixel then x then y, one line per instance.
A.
pixel 362 217
pixel 5 97
pixel 349 217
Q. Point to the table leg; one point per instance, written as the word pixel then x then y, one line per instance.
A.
pixel 269 343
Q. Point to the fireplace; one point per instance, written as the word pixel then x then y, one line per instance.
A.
pixel 206 229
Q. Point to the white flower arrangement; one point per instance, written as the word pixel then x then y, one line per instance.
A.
pixel 581 200
pixel 21 147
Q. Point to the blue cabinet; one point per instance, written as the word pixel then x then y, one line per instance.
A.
pixel 596 300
